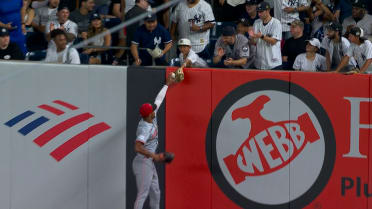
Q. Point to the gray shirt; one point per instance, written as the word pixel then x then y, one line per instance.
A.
pixel 81 20
pixel 239 50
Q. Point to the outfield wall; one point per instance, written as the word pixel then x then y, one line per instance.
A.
pixel 242 139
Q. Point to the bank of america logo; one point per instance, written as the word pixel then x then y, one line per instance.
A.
pixel 71 144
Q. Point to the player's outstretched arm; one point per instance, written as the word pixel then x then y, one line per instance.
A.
pixel 161 95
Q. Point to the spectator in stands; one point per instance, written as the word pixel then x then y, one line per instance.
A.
pixel 250 12
pixel 267 34
pixel 311 61
pixel 345 9
pixel 153 37
pixel 193 19
pixel 359 18
pixel 61 53
pixel 9 50
pixel 44 15
pixel 336 46
pixel 287 11
pixel 39 3
pixel 11 18
pixel 320 16
pixel 82 15
pixel 140 8
pixel 28 16
pixel 63 23
pixel 231 50
pixel 97 55
pixel 188 58
pixel 102 6
pixel 295 45
pixel 116 9
pixel 229 10
pixel 360 49
pixel 243 27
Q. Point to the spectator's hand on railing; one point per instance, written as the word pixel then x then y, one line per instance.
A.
pixel 138 62
pixel 88 51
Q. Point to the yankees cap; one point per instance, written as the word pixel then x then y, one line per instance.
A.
pixel 244 21
pixel 150 18
pixel 228 31
pixel 359 4
pixel 253 2
pixel 95 16
pixel 184 42
pixel 314 42
pixel 357 31
pixel 4 32
pixel 335 26
pixel 263 6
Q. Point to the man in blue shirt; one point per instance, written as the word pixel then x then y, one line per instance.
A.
pixel 150 42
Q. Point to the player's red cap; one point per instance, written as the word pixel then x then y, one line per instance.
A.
pixel 146 109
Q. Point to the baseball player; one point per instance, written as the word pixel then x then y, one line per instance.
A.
pixel 188 58
pixel 287 11
pixel 146 143
pixel 155 38
pixel 360 49
pixel 336 46
pixel 267 34
pixel 311 60
pixel 360 18
pixel 193 19
pixel 231 50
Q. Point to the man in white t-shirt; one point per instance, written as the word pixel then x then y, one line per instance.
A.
pixel 267 34
pixel 45 14
pixel 336 46
pixel 188 58
pixel 62 23
pixel 311 61
pixel 287 11
pixel 360 49
pixel 60 53
pixel 193 19
pixel 360 18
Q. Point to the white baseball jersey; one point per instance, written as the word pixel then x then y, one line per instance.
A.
pixel 45 14
pixel 343 47
pixel 285 17
pixel 365 24
pixel 70 27
pixel 303 64
pixel 194 58
pixel 361 53
pixel 199 14
pixel 63 57
pixel 268 56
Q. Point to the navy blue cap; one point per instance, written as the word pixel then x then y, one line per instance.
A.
pixel 150 18
pixel 263 6
pixel 228 31
pixel 95 16
pixel 359 4
pixel 4 32
pixel 253 2
pixel 61 7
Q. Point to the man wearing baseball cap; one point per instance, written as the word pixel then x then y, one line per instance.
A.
pixel 155 38
pixel 250 12
pixel 295 45
pixel 231 50
pixel 267 34
pixel 63 22
pixel 359 17
pixel 188 58
pixel 311 61
pixel 9 50
pixel 145 146
pixel 360 49
pixel 336 46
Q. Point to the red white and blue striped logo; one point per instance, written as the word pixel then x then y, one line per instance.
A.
pixel 58 108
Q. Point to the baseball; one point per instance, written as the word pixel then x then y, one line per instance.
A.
pixel 173 75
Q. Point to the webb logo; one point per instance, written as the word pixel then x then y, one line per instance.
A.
pixel 71 144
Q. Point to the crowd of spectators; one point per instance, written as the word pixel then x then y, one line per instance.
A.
pixel 306 35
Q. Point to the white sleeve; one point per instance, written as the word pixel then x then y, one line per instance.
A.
pixel 74 29
pixel 350 51
pixel 160 97
pixel 47 27
pixel 192 57
pixel 369 51
pixel 323 63
pixel 74 57
pixel 37 18
pixel 209 17
pixel 297 63
pixel 277 31
pixel 255 27
pixel 143 135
